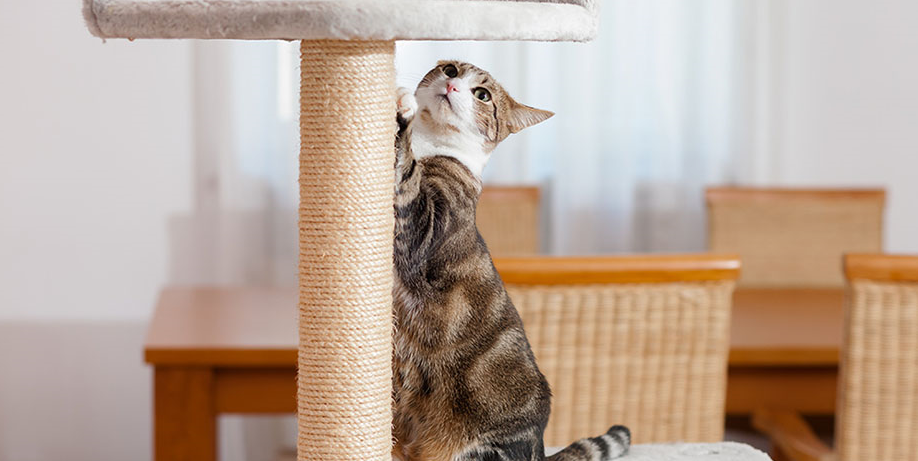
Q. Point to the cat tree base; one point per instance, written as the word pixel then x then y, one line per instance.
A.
pixel 724 451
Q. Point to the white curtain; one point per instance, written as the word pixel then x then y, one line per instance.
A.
pixel 647 115
pixel 242 229
pixel 660 105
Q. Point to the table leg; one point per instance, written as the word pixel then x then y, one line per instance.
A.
pixel 185 419
pixel 777 454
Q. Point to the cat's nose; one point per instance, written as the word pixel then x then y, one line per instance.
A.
pixel 451 87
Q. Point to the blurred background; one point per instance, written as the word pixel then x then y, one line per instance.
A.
pixel 129 166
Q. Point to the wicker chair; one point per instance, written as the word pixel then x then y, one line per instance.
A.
pixel 508 219
pixel 877 416
pixel 794 237
pixel 641 341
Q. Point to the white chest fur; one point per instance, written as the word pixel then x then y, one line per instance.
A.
pixel 465 147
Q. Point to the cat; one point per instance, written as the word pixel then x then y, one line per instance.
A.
pixel 466 386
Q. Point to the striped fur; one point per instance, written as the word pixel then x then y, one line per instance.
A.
pixel 466 386
pixel 611 445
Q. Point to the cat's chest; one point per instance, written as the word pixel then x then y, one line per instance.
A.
pixel 465 148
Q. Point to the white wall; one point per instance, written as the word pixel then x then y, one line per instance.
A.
pixel 74 391
pixel 95 155
pixel 846 89
pixel 95 152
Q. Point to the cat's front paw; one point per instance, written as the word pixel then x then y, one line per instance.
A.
pixel 406 105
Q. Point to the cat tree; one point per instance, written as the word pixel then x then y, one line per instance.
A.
pixel 347 128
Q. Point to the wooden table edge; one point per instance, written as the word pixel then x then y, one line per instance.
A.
pixel 784 357
pixel 258 358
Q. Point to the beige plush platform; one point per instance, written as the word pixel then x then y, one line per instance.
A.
pixel 548 20
pixel 724 451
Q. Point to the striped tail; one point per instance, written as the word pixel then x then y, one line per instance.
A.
pixel 608 446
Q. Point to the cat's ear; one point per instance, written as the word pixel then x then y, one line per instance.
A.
pixel 522 116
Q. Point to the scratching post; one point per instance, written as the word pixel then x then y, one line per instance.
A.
pixel 347 130
pixel 347 158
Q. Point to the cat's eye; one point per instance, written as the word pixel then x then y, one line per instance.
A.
pixel 482 94
pixel 450 71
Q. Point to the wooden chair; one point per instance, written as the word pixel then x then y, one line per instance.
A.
pixel 877 416
pixel 794 237
pixel 641 341
pixel 508 219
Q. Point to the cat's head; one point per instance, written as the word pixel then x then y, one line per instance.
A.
pixel 459 98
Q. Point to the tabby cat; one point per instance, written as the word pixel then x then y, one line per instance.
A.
pixel 465 383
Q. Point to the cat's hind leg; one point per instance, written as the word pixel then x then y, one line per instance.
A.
pixel 511 450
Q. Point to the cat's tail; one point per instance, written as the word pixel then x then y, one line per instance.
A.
pixel 613 444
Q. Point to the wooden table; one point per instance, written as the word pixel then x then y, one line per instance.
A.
pixel 233 350
pixel 784 349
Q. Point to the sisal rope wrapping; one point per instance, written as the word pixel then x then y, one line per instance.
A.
pixel 347 132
